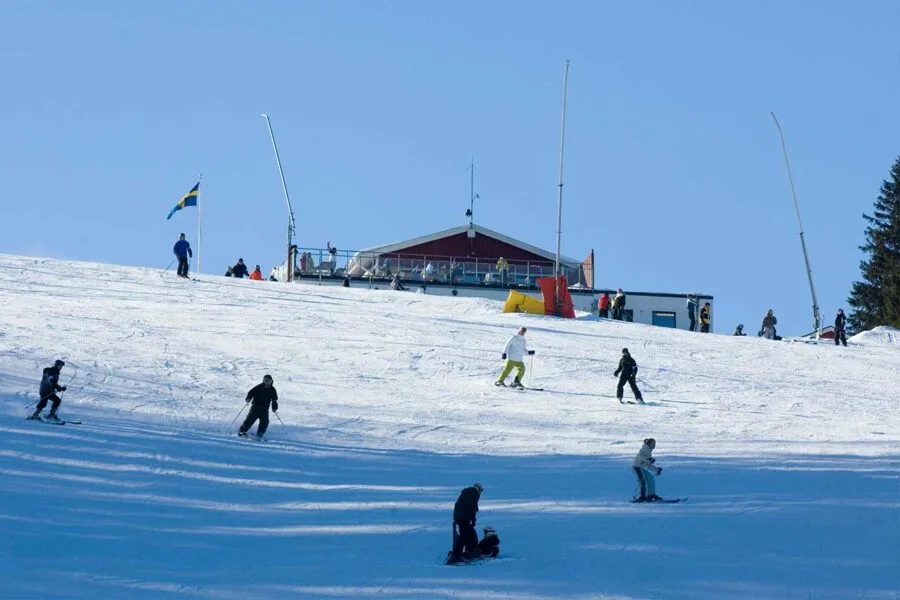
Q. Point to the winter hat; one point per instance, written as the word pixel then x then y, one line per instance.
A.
pixel 522 329
pixel 59 363
pixel 650 441
pixel 478 487
pixel 624 350
pixel 267 376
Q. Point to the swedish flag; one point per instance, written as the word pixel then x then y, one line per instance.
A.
pixel 189 199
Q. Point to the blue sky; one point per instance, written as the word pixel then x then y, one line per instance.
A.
pixel 674 174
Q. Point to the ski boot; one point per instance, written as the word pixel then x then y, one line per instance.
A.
pixel 35 416
pixel 500 384
pixel 242 434
pixel 653 498
pixel 517 384
pixel 52 418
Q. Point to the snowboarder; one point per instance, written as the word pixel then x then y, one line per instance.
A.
pixel 514 355
pixel 182 250
pixel 396 284
pixel 261 395
pixel 840 325
pixel 692 311
pixel 627 372
pixel 768 325
pixel 240 269
pixel 603 306
pixel 644 470
pixel 49 387
pixel 465 538
pixel 256 275
pixel 618 305
pixel 704 318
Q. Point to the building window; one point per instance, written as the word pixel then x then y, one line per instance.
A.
pixel 664 318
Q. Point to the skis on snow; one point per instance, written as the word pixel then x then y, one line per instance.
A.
pixel 52 421
pixel 663 501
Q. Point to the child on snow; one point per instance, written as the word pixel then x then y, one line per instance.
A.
pixel 644 470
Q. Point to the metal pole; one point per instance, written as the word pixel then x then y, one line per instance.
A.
pixel 199 225
pixel 817 320
pixel 562 146
pixel 291 223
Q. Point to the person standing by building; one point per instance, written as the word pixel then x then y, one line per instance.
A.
pixel 627 372
pixel 182 250
pixel 514 355
pixel 840 326
pixel 503 270
pixel 261 396
pixel 768 325
pixel 48 388
pixel 704 318
pixel 603 306
pixel 692 311
pixel 618 305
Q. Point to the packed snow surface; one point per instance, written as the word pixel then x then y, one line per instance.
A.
pixel 789 452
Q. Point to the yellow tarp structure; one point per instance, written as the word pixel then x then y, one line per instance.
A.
pixel 519 302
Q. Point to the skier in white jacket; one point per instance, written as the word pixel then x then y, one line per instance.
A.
pixel 514 355
pixel 644 470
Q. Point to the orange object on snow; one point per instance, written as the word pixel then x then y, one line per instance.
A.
pixel 256 274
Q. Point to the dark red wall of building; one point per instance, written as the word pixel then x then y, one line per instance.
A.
pixel 480 247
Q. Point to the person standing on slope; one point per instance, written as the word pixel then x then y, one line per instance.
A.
pixel 768 325
pixel 627 372
pixel 256 275
pixel 618 305
pixel 704 318
pixel 261 396
pixel 49 387
pixel 465 511
pixel 603 306
pixel 840 326
pixel 239 270
pixel 182 251
pixel 692 311
pixel 514 355
pixel 644 470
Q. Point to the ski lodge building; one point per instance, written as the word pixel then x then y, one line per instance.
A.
pixel 466 261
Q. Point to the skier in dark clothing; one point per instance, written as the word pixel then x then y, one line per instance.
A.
pixel 49 387
pixel 182 251
pixel 240 269
pixel 840 325
pixel 465 538
pixel 261 395
pixel 627 372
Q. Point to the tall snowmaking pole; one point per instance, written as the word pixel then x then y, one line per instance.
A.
pixel 562 151
pixel 289 267
pixel 817 319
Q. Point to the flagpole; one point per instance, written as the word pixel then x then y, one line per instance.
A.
pixel 562 147
pixel 199 225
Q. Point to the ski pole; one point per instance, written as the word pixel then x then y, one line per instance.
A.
pixel 170 264
pixel 644 383
pixel 239 414
pixel 275 412
pixel 530 369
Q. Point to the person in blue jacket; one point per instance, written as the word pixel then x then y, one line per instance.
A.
pixel 182 251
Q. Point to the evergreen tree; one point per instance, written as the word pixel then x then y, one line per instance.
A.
pixel 876 299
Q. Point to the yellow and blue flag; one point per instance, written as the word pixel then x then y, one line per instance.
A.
pixel 189 199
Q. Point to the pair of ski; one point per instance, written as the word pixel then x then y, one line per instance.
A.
pixel 519 388
pixel 623 401
pixel 52 421
pixel 662 501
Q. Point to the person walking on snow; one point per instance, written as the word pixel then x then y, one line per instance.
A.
pixel 704 318
pixel 49 387
pixel 644 470
pixel 768 325
pixel 261 396
pixel 182 251
pixel 627 372
pixel 840 326
pixel 692 311
pixel 465 511
pixel 603 306
pixel 514 355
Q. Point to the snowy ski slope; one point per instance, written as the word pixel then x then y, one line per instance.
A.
pixel 789 452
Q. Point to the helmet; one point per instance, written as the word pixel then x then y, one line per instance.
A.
pixel 267 377
pixel 624 350
pixel 478 487
pixel 59 363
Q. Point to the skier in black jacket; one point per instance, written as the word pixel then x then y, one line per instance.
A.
pixel 465 510
pixel 49 387
pixel 261 395
pixel 840 325
pixel 628 369
pixel 240 270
